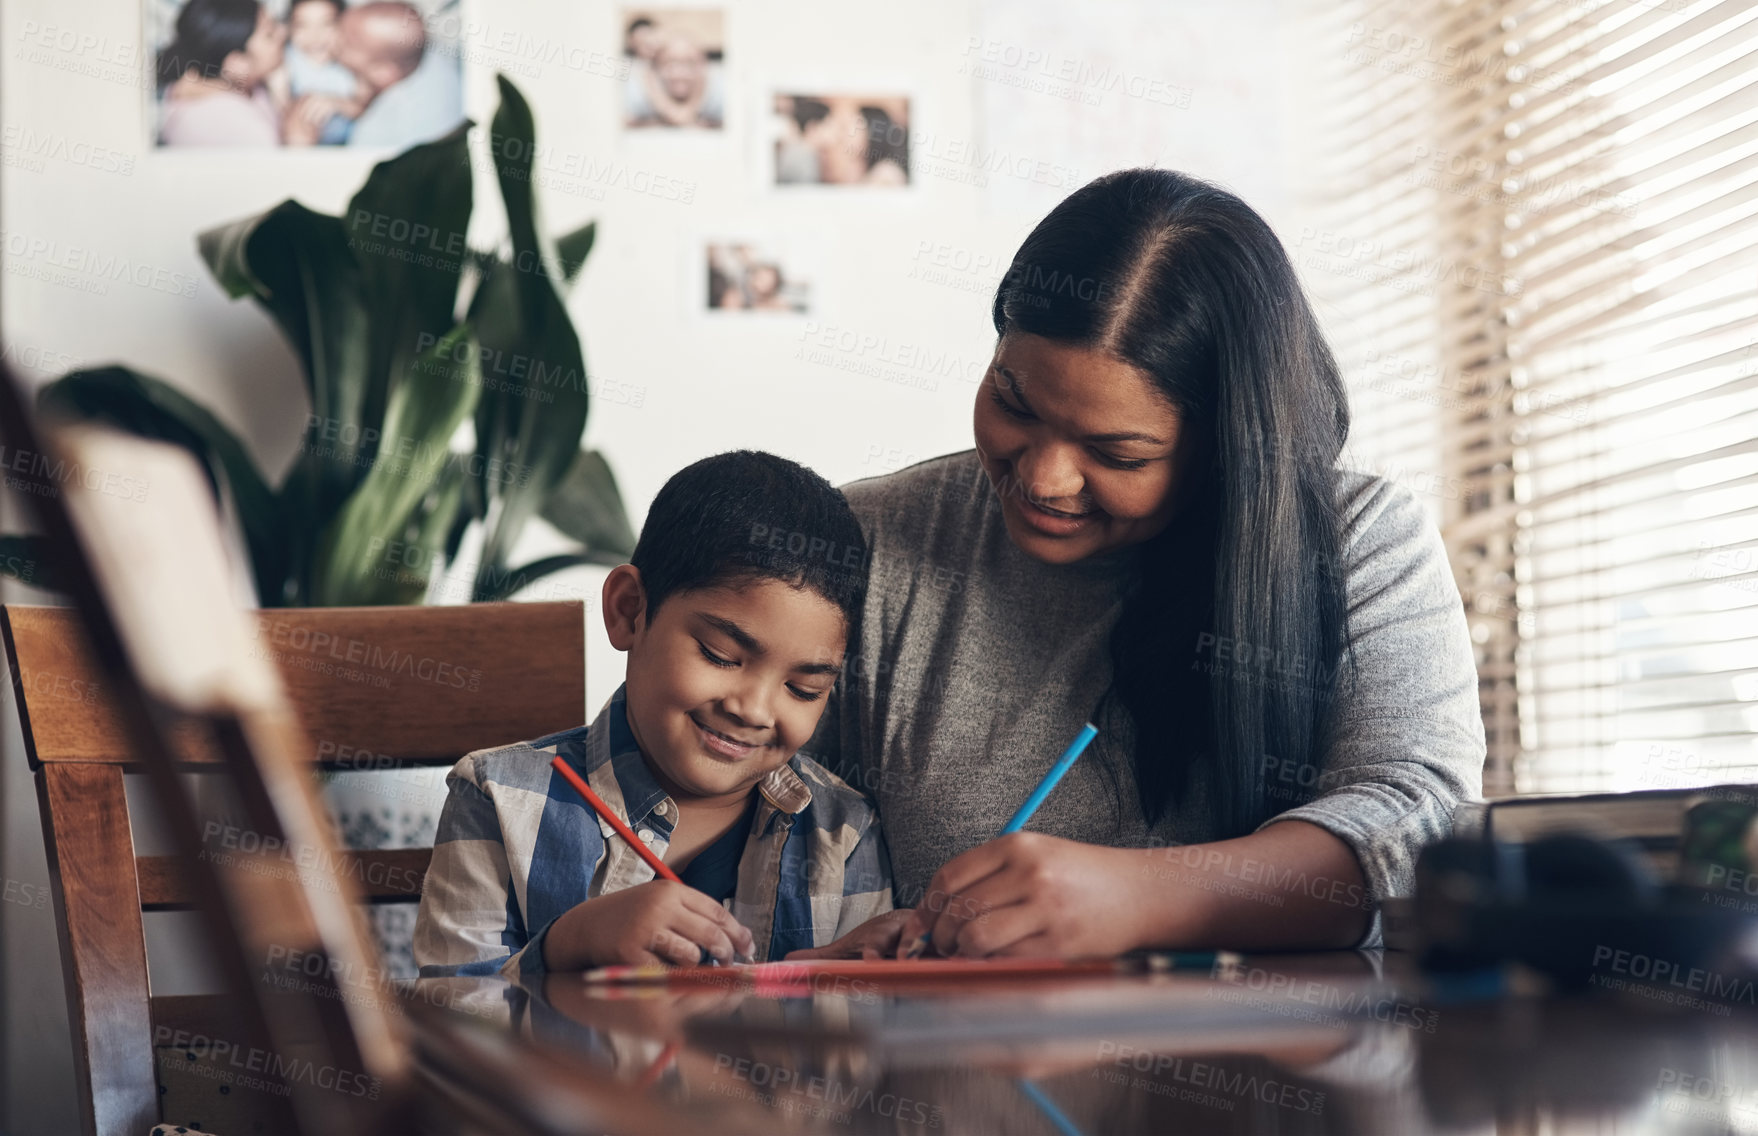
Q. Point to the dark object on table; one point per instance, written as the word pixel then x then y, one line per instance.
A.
pixel 1585 912
pixel 1653 820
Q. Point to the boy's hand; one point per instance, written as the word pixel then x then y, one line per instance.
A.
pixel 655 922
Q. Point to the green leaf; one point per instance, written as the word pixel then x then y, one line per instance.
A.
pixel 586 505
pixel 27 559
pixel 406 228
pixel 440 512
pixel 151 408
pixel 533 408
pixel 514 580
pixel 513 142
pixel 298 265
pixel 469 509
pixel 572 249
pixel 405 495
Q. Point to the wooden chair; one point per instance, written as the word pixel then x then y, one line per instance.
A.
pixel 422 685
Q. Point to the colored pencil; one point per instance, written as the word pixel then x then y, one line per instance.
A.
pixel 803 974
pixel 651 1075
pixel 1024 813
pixel 616 822
pixel 1057 772
pixel 1057 1118
pixel 598 806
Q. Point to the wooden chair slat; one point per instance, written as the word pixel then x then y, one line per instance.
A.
pixel 387 875
pixel 103 956
pixel 365 681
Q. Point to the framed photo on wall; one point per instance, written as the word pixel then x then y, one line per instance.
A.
pixel 840 138
pixel 384 75
pixel 677 78
pixel 753 278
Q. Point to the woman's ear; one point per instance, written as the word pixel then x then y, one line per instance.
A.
pixel 625 605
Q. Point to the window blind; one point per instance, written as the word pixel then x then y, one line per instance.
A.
pixel 1537 256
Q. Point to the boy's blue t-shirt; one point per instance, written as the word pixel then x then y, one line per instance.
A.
pixel 715 870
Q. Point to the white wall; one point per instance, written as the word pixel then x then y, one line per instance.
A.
pixel 1197 86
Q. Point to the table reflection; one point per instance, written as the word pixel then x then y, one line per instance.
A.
pixel 1341 1042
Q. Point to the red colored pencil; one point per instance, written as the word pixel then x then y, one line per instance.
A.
pixel 616 822
pixel 653 1072
pixel 902 970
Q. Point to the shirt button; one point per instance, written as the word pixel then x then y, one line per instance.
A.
pixel 663 808
pixel 645 834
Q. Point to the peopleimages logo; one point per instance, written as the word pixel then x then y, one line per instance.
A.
pixel 359 652
pixel 841 1096
pixel 1330 1002
pixel 28 143
pixel 229 845
pixel 252 1068
pixel 94 268
pixel 1166 1068
pixel 43 476
pixel 1665 980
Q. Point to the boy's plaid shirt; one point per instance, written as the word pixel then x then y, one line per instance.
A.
pixel 517 848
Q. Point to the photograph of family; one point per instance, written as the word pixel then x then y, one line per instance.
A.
pixel 677 69
pixel 842 139
pixel 376 74
pixel 746 276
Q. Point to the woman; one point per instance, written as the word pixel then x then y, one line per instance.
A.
pixel 1152 533
pixel 212 76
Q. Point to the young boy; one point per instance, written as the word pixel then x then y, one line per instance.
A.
pixel 310 57
pixel 735 610
pixel 310 68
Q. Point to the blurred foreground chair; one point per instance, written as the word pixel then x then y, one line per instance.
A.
pixel 374 688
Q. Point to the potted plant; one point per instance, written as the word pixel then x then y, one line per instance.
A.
pixel 404 334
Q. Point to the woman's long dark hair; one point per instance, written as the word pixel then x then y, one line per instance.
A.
pixel 207 32
pixel 1230 651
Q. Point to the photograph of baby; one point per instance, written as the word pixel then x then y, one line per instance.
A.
pixel 749 277
pixel 372 73
pixel 823 139
pixel 677 68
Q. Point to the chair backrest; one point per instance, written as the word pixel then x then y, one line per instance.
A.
pixel 411 686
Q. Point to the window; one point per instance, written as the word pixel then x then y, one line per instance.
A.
pixel 1538 260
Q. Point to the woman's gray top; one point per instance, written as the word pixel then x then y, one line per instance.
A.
pixel 978 664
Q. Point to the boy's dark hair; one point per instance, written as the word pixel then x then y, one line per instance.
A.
pixel 744 516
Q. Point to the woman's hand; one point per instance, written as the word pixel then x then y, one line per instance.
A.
pixel 1028 894
pixel 1289 886
pixel 656 922
pixel 876 938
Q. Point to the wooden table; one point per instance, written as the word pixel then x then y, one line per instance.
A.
pixel 1343 1042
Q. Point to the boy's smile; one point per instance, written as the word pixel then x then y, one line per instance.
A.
pixel 724 683
pixel 723 745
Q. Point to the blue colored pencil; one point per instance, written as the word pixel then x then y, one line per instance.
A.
pixel 1024 814
pixel 1057 772
pixel 1057 1118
